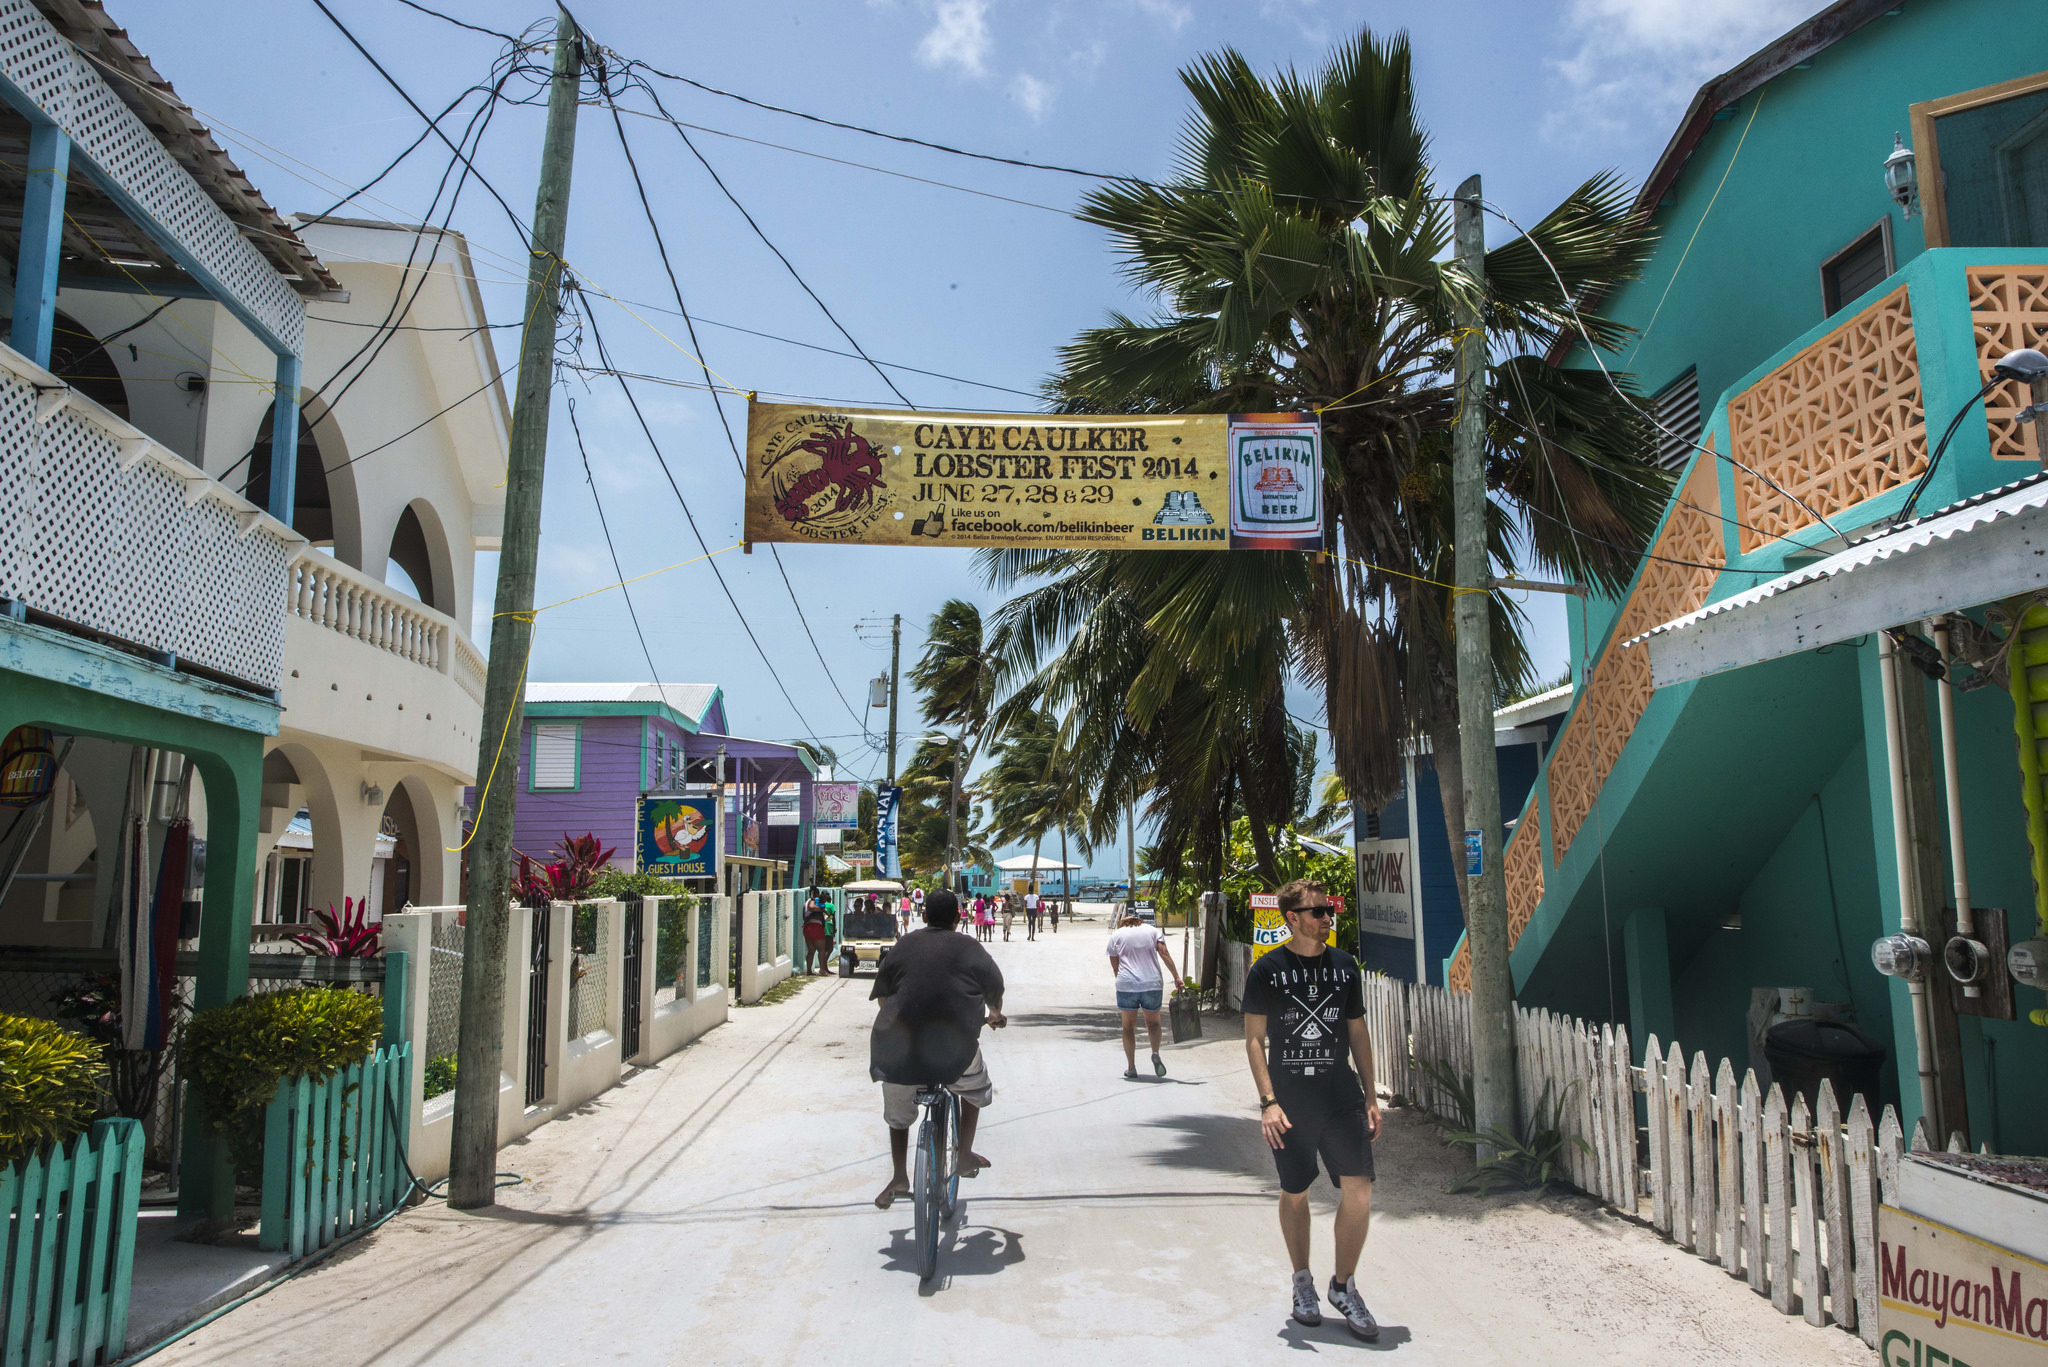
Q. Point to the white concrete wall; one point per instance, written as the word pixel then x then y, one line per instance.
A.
pixel 577 1069
pixel 761 967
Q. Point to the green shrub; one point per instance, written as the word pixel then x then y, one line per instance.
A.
pixel 621 884
pixel 440 1077
pixel 235 1055
pixel 50 1085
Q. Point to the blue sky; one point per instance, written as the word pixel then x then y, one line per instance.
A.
pixel 1533 96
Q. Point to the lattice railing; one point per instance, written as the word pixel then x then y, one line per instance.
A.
pixel 105 530
pixel 2008 310
pixel 1689 554
pixel 1838 424
pixel 41 63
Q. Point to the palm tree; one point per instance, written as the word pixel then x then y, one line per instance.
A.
pixel 1299 260
pixel 959 688
pixel 1033 786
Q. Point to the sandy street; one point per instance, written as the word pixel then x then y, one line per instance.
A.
pixel 717 1208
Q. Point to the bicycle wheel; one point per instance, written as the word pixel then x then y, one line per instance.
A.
pixel 950 1146
pixel 924 1197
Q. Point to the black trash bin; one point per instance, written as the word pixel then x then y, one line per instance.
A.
pixel 1804 1051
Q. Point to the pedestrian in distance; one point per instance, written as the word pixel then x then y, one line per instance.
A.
pixel 1304 1012
pixel 1135 953
pixel 1052 911
pixel 1009 915
pixel 984 921
pixel 1030 916
pixel 815 938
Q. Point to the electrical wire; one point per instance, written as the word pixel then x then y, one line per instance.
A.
pixel 717 403
pixel 605 527
pixel 795 274
pixel 633 402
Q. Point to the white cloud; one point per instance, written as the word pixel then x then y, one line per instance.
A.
pixel 1168 12
pixel 958 38
pixel 1033 94
pixel 1639 61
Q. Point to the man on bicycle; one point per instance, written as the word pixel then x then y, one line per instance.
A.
pixel 936 992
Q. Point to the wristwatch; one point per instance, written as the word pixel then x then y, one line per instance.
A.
pixel 1266 1101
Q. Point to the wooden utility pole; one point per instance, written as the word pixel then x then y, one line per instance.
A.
pixel 895 683
pixel 1486 914
pixel 473 1159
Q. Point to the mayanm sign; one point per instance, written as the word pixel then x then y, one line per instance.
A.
pixel 1947 1299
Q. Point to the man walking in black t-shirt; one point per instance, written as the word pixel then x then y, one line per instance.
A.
pixel 1304 1012
pixel 937 991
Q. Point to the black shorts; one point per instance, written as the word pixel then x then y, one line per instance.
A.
pixel 1333 1128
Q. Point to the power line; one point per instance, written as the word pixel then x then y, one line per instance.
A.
pixel 795 274
pixel 605 527
pixel 597 336
pixel 451 19
pixel 717 402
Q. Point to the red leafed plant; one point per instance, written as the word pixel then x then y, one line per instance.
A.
pixel 565 878
pixel 350 935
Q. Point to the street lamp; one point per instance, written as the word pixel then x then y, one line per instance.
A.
pixel 1901 178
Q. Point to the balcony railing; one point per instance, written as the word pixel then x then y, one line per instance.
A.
pixel 328 593
pixel 105 532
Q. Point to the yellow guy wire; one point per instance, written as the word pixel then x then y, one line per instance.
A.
pixel 1725 171
pixel 1455 589
pixel 519 688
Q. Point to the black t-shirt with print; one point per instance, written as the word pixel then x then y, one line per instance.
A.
pixel 1306 1000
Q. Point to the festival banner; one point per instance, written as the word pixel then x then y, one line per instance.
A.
pixel 675 836
pixel 869 477
pixel 835 804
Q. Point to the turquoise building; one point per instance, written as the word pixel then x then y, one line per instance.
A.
pixel 1705 849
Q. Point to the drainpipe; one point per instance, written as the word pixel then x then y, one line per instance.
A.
pixel 1909 902
pixel 1951 772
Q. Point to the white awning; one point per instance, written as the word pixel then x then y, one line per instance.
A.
pixel 1024 863
pixel 1974 552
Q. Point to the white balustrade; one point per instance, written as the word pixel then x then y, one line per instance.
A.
pixel 328 593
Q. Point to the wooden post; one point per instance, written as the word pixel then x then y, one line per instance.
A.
pixel 1659 1113
pixel 1778 1200
pixel 473 1155
pixel 1728 1171
pixel 1486 919
pixel 1678 1148
pixel 1861 1165
pixel 1834 1187
pixel 1751 1146
pixel 1700 1095
pixel 1806 1209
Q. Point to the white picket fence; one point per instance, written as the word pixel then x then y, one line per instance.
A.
pixel 1784 1198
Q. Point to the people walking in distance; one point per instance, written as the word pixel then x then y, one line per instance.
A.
pixel 1135 953
pixel 815 938
pixel 1009 915
pixel 1052 911
pixel 903 905
pixel 1304 1013
pixel 984 921
pixel 936 993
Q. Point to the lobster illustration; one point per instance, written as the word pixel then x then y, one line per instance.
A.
pixel 848 463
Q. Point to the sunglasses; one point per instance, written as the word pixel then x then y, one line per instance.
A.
pixel 1324 912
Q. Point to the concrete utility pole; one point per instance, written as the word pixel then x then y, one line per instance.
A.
pixel 895 684
pixel 1486 900
pixel 473 1159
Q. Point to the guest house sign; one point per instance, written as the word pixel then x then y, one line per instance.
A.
pixel 1034 480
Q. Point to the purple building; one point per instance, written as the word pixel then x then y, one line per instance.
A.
pixel 589 752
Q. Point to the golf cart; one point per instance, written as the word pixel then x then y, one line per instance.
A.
pixel 865 936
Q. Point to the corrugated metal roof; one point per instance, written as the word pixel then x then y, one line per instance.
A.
pixel 1955 520
pixel 690 699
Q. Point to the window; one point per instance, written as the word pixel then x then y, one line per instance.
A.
pixel 554 755
pixel 1677 409
pixel 1860 266
pixel 1981 158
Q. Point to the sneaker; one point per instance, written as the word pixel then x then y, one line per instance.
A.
pixel 1344 1295
pixel 1307 1308
pixel 1130 1074
pixel 1158 1065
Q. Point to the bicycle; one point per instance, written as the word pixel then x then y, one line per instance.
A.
pixel 935 1178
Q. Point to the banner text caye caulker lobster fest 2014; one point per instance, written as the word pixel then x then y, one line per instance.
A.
pixel 885 477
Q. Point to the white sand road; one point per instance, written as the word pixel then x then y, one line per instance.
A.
pixel 717 1209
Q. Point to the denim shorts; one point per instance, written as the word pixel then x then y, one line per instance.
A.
pixel 1148 1000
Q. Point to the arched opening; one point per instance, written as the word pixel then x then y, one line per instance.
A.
pixel 419 558
pixel 78 358
pixel 312 504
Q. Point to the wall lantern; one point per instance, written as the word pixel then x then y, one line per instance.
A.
pixel 1900 178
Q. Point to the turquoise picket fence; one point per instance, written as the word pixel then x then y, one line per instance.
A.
pixel 334 1152
pixel 67 1249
